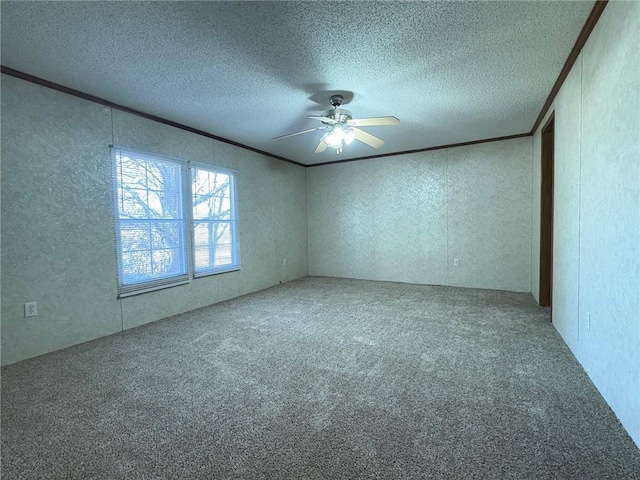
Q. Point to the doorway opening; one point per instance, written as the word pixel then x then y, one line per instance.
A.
pixel 546 214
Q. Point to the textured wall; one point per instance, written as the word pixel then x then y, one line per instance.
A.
pixel 407 218
pixel 57 220
pixel 490 215
pixel 57 239
pixel 358 219
pixel 610 210
pixel 340 206
pixel 597 207
pixel 566 210
pixel 411 251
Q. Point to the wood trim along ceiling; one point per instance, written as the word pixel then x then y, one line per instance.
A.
pixel 428 149
pixel 592 19
pixel 595 14
pixel 124 108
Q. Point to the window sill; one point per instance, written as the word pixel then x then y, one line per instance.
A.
pixel 152 289
pixel 217 272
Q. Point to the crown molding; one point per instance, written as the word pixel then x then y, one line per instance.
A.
pixel 588 27
pixel 92 98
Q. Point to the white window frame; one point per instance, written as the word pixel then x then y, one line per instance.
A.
pixel 233 221
pixel 187 231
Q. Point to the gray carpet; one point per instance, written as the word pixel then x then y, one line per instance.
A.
pixel 319 379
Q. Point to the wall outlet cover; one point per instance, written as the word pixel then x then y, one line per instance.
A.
pixel 30 309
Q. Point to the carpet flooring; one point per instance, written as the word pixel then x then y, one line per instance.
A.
pixel 319 379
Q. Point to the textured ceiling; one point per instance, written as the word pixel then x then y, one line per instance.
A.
pixel 249 71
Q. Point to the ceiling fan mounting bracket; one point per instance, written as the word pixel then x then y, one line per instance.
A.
pixel 336 100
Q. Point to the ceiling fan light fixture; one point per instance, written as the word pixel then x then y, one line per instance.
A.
pixel 338 134
pixel 349 135
pixel 342 129
pixel 334 137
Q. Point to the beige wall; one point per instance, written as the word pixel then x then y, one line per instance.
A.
pixel 406 218
pixel 57 220
pixel 596 259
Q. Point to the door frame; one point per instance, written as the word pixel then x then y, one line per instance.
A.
pixel 546 212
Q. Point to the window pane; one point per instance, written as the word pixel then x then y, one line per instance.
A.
pixel 151 233
pixel 167 261
pixel 133 202
pixel 151 249
pixel 209 192
pixel 166 234
pixel 223 254
pixel 214 220
pixel 213 245
pixel 134 236
pixel 135 265
pixel 149 188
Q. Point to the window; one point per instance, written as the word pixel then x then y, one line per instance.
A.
pixel 155 203
pixel 214 220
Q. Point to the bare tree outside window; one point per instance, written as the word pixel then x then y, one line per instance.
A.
pixel 151 219
pixel 212 219
pixel 152 233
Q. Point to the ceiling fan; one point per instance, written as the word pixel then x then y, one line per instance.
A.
pixel 342 127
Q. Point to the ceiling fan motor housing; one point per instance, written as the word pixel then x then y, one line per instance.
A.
pixel 338 115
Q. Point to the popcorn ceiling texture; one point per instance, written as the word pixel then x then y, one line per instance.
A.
pixel 249 71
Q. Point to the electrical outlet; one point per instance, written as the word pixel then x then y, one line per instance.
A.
pixel 30 309
pixel 587 321
pixel 456 262
pixel 284 261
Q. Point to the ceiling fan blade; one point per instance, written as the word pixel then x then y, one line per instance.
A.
pixel 299 133
pixel 322 119
pixel 363 122
pixel 321 147
pixel 367 138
